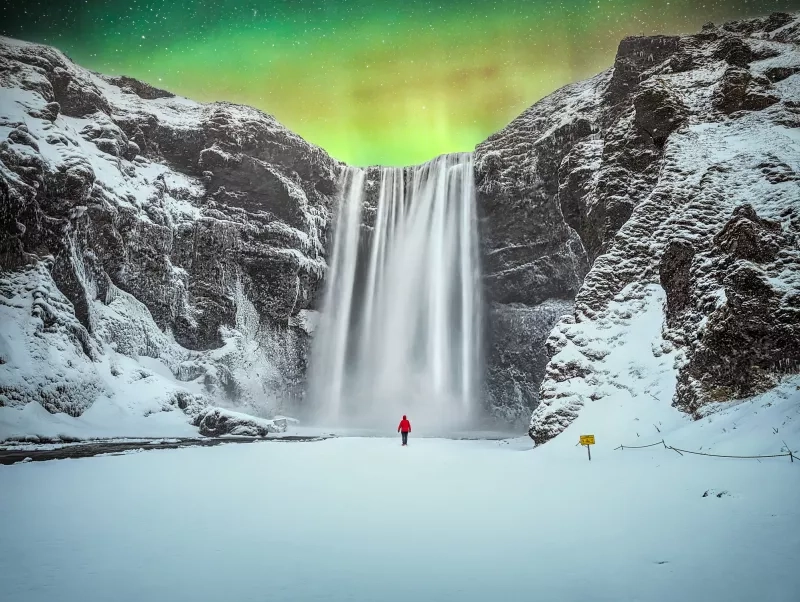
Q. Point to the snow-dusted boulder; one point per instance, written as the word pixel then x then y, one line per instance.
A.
pixel 215 422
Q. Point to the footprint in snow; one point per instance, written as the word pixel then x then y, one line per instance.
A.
pixel 714 493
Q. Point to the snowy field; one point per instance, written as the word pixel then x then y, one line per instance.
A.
pixel 363 519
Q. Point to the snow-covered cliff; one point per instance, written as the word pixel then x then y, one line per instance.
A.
pixel 156 253
pixel 680 172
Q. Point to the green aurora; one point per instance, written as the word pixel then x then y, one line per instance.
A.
pixel 393 82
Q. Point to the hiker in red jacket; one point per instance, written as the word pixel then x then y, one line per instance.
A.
pixel 404 429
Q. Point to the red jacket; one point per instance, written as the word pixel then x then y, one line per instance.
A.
pixel 405 426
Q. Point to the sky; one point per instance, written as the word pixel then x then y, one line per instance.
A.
pixel 391 82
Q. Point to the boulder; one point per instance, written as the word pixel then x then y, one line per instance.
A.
pixel 217 422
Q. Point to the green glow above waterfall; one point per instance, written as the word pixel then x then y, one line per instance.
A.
pixel 393 82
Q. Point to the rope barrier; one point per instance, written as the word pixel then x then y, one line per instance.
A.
pixel 680 451
pixel 637 446
pixel 724 456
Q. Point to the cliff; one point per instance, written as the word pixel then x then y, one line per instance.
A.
pixel 139 226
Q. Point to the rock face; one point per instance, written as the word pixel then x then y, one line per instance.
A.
pixel 745 344
pixel 533 260
pixel 140 224
pixel 684 175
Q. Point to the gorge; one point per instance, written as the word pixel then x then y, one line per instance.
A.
pixel 162 257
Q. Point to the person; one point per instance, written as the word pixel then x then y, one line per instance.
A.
pixel 404 429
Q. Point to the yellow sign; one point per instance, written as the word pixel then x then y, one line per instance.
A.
pixel 587 439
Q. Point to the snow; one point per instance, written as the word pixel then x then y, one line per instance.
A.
pixel 623 359
pixel 364 519
pixel 103 419
pixel 128 388
pixel 43 363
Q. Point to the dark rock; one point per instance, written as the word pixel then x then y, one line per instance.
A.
pixel 762 52
pixel 107 136
pixel 141 89
pixel 740 90
pixel 777 74
pixel 789 34
pixel 194 253
pixel 754 26
pixel 77 98
pixel 658 111
pixel 647 214
pixel 734 51
pixel 577 182
pixel 777 172
pixel 742 350
pixel 134 127
pixel 49 112
pixel 777 20
pixel 21 136
pixel 252 185
pixel 532 258
pixel 73 182
pixel 681 62
pixel 108 145
pixel 131 150
pixel 517 356
pixel 674 271
pixel 635 56
pixel 751 338
pixel 746 236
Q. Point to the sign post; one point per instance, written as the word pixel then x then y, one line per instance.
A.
pixel 588 441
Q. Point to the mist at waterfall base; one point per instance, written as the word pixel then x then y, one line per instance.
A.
pixel 401 324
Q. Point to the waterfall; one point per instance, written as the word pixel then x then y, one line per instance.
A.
pixel 400 331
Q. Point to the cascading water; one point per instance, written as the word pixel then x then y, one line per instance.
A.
pixel 400 331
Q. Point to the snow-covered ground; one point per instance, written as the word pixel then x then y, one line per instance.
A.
pixel 364 519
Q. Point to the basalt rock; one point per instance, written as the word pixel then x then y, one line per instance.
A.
pixel 734 51
pixel 658 110
pixel 141 89
pixel 674 271
pixel 747 236
pixel 556 185
pixel 740 90
pixel 533 261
